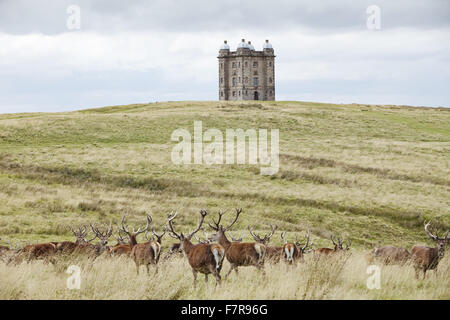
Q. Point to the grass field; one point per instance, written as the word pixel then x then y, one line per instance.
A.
pixel 373 174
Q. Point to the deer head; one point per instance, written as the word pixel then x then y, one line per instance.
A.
pixel 81 234
pixel 132 235
pixel 181 236
pixel 304 248
pixel 219 228
pixel 265 240
pixel 157 236
pixel 440 242
pixel 102 236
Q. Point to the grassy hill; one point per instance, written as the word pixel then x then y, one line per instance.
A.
pixel 369 173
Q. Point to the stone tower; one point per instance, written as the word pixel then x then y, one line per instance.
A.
pixel 246 74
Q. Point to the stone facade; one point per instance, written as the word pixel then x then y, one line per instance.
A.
pixel 246 74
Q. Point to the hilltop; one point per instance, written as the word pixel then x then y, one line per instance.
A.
pixel 369 173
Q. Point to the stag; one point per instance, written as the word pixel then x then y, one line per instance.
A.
pixel 148 252
pixel 238 254
pixel 206 258
pixel 427 258
pixel 125 249
pixel 391 255
pixel 337 247
pixel 273 253
pixel 293 252
pixel 68 247
pixel 103 237
pixel 38 251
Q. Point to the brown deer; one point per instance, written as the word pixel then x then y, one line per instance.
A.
pixel 100 247
pixel 148 252
pixel 427 258
pixel 391 255
pixel 206 258
pixel 337 247
pixel 273 253
pixel 293 252
pixel 38 251
pixel 238 253
pixel 69 247
pixel 125 249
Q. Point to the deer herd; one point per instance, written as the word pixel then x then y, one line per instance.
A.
pixel 207 255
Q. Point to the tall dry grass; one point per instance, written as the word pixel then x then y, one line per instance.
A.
pixel 343 277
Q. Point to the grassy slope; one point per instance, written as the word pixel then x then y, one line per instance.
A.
pixel 371 173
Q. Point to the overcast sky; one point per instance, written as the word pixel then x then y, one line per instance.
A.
pixel 141 51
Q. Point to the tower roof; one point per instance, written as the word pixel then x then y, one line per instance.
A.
pixel 243 44
pixel 225 46
pixel 267 45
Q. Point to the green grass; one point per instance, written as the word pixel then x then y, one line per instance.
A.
pixel 369 173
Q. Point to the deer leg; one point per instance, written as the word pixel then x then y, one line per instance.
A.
pixel 195 278
pixel 137 268
pixel 206 278
pixel 229 271
pixel 148 268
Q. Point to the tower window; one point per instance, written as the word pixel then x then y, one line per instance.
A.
pixel 221 80
pixel 239 93
pixel 246 79
pixel 234 93
pixel 255 73
pixel 270 80
pixel 233 64
pixel 221 93
pixel 239 79
pixel 255 64
pixel 234 82
pixel 246 64
pixel 239 64
pixel 255 81
pixel 270 63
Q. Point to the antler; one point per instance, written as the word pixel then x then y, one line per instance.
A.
pixel 124 228
pixel 203 214
pixel 238 212
pixel 432 236
pixel 162 234
pixel 255 236
pixel 283 236
pixel 332 239
pixel 349 243
pixel 100 234
pixel 233 238
pixel 267 237
pixel 307 241
pixel 217 223
pixel 170 218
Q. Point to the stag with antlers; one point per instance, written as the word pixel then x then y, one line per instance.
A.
pixel 238 254
pixel 125 249
pixel 69 247
pixel 148 253
pixel 427 258
pixel 338 247
pixel 293 252
pixel 273 253
pixel 206 258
